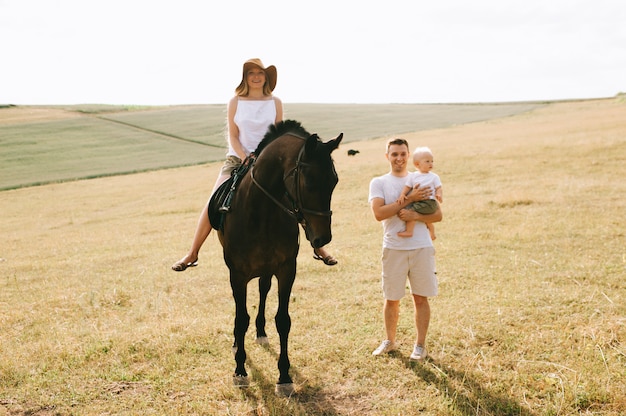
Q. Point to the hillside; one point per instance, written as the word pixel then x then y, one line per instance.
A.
pixel 56 144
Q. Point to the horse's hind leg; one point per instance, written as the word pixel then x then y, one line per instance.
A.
pixel 265 283
pixel 242 321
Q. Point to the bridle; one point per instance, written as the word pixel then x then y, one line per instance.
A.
pixel 296 211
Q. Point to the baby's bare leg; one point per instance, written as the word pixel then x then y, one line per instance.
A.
pixel 410 225
pixel 431 229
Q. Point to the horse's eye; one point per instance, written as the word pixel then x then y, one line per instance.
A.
pixel 310 185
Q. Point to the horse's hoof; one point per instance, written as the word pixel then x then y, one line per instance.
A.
pixel 285 390
pixel 263 341
pixel 241 381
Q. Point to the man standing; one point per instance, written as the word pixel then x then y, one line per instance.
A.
pixel 403 257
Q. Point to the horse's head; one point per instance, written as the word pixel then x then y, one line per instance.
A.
pixel 316 179
pixel 305 173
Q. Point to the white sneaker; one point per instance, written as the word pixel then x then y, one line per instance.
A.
pixel 385 347
pixel 419 353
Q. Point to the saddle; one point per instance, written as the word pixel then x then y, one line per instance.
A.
pixel 219 204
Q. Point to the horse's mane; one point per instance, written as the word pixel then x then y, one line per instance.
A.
pixel 279 129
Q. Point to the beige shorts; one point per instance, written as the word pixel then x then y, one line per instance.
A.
pixel 417 265
pixel 230 164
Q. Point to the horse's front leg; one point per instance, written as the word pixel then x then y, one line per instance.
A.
pixel 242 321
pixel 284 387
pixel 265 283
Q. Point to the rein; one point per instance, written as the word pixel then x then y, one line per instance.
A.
pixel 297 211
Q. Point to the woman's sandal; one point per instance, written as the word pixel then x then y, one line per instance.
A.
pixel 181 266
pixel 328 260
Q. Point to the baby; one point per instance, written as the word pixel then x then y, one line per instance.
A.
pixel 423 161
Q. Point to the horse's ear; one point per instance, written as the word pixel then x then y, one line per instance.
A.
pixel 314 140
pixel 311 143
pixel 334 144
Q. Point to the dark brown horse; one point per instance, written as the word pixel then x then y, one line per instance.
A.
pixel 289 181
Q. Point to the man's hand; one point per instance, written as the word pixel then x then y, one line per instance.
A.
pixel 408 215
pixel 419 194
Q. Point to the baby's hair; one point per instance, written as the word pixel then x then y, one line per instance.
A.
pixel 421 151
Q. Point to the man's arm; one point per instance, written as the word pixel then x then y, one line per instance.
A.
pixel 409 215
pixel 382 211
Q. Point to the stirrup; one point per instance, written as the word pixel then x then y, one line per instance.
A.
pixel 226 204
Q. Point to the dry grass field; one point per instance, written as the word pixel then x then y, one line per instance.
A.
pixel 530 320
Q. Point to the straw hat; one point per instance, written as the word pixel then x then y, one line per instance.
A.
pixel 270 72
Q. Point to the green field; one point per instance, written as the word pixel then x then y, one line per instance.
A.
pixel 111 140
pixel 531 258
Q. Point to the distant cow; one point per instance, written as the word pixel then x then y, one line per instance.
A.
pixel 352 152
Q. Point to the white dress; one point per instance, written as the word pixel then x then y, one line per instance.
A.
pixel 253 117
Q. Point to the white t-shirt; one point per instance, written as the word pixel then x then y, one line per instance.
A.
pixel 253 117
pixel 389 187
pixel 428 179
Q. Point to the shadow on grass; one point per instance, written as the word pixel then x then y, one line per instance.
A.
pixel 305 401
pixel 468 396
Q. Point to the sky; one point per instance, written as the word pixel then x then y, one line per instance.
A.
pixel 155 52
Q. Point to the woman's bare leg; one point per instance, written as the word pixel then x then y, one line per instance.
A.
pixel 203 229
